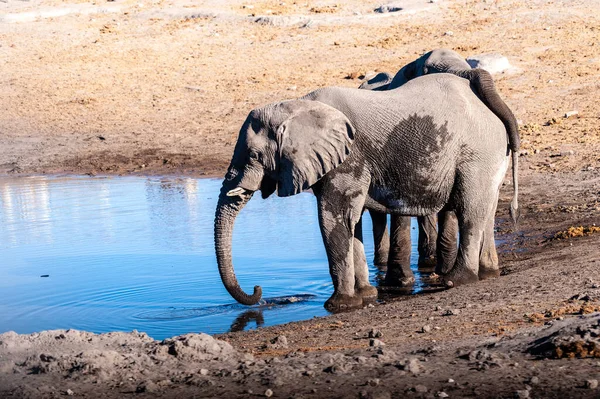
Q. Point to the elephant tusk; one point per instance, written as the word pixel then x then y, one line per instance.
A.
pixel 238 191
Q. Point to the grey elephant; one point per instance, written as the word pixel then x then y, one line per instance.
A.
pixel 428 146
pixel 396 255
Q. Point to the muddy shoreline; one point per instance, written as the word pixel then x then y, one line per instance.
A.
pixel 160 89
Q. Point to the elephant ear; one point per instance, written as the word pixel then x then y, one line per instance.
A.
pixel 312 142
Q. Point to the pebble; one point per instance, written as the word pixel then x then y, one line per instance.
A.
pixel 387 8
pixel 534 380
pixel 420 388
pixel 493 63
pixel 449 33
pixel 375 342
pixel 452 312
pixel 591 384
pixel 522 394
pixel 374 333
pixel 450 381
pixel 279 342
pixel 442 394
pixel 571 113
pixel 70 393
pixel 426 329
pixel 373 382
pixel 203 371
pixel 268 393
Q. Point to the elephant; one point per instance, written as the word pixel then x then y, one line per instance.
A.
pixel 429 145
pixel 396 255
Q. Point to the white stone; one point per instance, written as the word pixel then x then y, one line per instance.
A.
pixel 493 63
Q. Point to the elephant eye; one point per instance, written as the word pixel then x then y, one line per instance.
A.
pixel 254 155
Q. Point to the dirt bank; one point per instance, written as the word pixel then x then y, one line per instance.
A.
pixel 162 87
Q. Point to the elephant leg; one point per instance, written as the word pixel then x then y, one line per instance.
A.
pixel 447 238
pixel 337 220
pixel 398 271
pixel 488 259
pixel 362 286
pixel 381 238
pixel 427 239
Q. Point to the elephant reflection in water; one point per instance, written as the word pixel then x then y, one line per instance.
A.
pixel 241 322
pixel 393 250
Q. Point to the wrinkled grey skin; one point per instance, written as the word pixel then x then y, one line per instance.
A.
pixel 437 61
pixel 393 251
pixel 428 146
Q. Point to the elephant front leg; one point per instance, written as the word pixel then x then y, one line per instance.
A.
pixel 337 222
pixel 398 271
pixel 362 287
pixel 427 240
pixel 381 238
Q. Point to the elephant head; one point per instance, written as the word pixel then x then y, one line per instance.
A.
pixel 286 146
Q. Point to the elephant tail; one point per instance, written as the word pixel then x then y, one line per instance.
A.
pixel 515 212
pixel 484 87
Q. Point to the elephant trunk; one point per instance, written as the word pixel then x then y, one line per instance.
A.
pixel 228 207
pixel 483 83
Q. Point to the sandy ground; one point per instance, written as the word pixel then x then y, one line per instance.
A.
pixel 161 87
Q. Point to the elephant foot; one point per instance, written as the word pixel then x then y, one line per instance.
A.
pixel 458 277
pixel 485 273
pixel 399 280
pixel 340 302
pixel 368 294
pixel 443 269
pixel 427 262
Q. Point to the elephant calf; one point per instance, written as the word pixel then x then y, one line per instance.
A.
pixel 396 254
pixel 428 146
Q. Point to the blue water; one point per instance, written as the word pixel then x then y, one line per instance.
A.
pixel 137 253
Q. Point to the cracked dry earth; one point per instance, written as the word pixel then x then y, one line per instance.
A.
pixel 162 88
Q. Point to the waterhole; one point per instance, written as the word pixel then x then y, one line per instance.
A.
pixel 122 253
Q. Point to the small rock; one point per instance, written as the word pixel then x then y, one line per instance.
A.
pixel 426 329
pixel 203 371
pixel 452 312
pixel 442 394
pixel 591 384
pixel 493 63
pixel 420 388
pixel 292 88
pixel 571 113
pixel 146 386
pixel 279 342
pixel 268 393
pixel 522 394
pixel 375 342
pixel 375 333
pixel 449 33
pixel 450 381
pixel 388 8
pixel 373 382
pixel 70 393
pixel 534 380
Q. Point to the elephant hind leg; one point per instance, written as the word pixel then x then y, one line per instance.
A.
pixel 466 267
pixel 447 241
pixel 362 286
pixel 381 238
pixel 399 273
pixel 488 258
pixel 428 235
